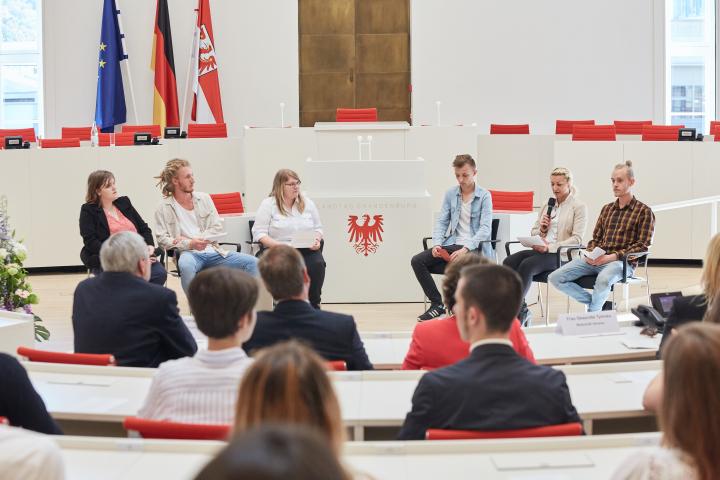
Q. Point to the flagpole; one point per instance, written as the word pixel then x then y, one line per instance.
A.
pixel 193 52
pixel 127 63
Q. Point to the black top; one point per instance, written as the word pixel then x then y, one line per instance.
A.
pixel 332 335
pixel 690 308
pixel 136 321
pixel 492 389
pixel 94 228
pixel 19 402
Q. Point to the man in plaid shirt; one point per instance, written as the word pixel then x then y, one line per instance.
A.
pixel 624 227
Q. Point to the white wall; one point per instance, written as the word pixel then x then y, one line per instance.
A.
pixel 256 42
pixel 533 61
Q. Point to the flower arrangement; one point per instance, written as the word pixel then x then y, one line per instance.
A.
pixel 16 294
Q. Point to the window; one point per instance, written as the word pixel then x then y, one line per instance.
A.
pixel 21 64
pixel 690 54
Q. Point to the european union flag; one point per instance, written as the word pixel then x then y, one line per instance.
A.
pixel 110 102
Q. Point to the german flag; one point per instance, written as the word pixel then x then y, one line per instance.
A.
pixel 165 100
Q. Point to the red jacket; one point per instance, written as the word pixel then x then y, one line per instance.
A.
pixel 437 343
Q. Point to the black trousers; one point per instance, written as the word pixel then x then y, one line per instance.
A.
pixel 424 265
pixel 528 263
pixel 315 263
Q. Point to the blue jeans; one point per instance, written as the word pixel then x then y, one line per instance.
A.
pixel 191 262
pixel 607 275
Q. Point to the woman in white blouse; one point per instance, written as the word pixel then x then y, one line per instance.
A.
pixel 288 215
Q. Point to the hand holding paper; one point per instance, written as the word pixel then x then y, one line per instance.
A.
pixel 597 252
pixel 534 241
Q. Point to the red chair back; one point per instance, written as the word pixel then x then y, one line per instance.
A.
pixel 173 430
pixel 597 133
pixel 27 134
pixel 715 127
pixel 83 133
pixel 59 142
pixel 336 365
pixel 626 127
pixel 4 421
pixel 228 203
pixel 565 127
pixel 207 130
pixel 60 357
pixel 124 139
pixel 356 115
pixel 660 133
pixel 563 430
pixel 153 129
pixel 520 129
pixel 512 201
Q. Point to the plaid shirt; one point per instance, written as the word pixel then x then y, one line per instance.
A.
pixel 624 230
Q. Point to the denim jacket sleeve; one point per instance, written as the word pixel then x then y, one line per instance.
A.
pixel 443 221
pixel 484 229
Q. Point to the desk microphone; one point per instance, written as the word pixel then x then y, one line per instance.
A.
pixel 551 204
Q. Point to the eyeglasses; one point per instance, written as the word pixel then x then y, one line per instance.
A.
pixel 293 184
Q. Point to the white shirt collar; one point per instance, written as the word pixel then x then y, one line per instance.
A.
pixel 488 341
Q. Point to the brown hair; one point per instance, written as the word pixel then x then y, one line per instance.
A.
pixel 169 172
pixel 452 275
pixel 219 297
pixel 462 160
pixel 496 291
pixel 97 180
pixel 281 177
pixel 287 383
pixel 691 397
pixel 627 165
pixel 281 268
pixel 710 279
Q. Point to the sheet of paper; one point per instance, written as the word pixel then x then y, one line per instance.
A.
pixel 640 343
pixel 529 242
pixel 303 239
pixel 209 236
pixel 596 252
pixel 588 324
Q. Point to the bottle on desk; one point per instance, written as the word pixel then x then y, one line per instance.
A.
pixel 94 135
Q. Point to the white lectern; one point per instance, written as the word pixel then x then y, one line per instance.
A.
pixel 339 140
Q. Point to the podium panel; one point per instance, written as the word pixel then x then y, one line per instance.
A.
pixel 339 140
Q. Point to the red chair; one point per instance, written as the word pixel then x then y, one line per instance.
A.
pixel 228 203
pixel 624 127
pixel 153 129
pixel 83 133
pixel 207 130
pixel 173 430
pixel 595 133
pixel 336 365
pixel 4 421
pixel 660 133
pixel 714 127
pixel 60 357
pixel 563 430
pixel 565 127
pixel 356 115
pixel 512 201
pixel 498 129
pixel 124 139
pixel 59 142
pixel 27 134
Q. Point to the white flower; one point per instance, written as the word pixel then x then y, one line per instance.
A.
pixel 3 253
pixel 22 293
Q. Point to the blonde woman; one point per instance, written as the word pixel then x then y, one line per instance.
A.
pixel 285 212
pixel 565 225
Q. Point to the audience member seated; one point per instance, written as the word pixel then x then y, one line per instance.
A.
pixel 464 221
pixel 624 227
pixel 203 388
pixel 436 343
pixel 288 384
pixel 564 226
pixel 332 335
pixel 19 402
pixel 103 214
pixel 188 222
pixel 493 388
pixel 120 313
pixel 690 402
pixel 29 456
pixel 693 308
pixel 285 212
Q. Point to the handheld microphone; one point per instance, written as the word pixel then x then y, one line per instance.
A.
pixel 551 204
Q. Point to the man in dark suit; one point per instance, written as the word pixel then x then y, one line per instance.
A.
pixel 120 313
pixel 332 335
pixel 494 388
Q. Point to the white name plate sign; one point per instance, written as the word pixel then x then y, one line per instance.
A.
pixel 591 323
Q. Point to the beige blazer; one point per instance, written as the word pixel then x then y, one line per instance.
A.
pixel 167 227
pixel 572 222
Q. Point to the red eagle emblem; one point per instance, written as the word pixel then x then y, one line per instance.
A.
pixel 207 62
pixel 365 238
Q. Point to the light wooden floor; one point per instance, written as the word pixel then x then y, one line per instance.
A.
pixel 56 294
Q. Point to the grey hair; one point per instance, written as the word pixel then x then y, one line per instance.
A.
pixel 122 252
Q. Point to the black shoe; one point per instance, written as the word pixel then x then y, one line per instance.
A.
pixel 608 306
pixel 435 311
pixel 523 314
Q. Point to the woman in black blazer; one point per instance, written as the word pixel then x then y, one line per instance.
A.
pixel 106 213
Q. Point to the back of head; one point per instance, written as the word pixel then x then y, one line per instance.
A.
pixel 710 280
pixel 275 452
pixel 691 397
pixel 287 383
pixel 169 172
pixel 452 275
pixel 494 290
pixel 219 297
pixel 281 268
pixel 122 252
